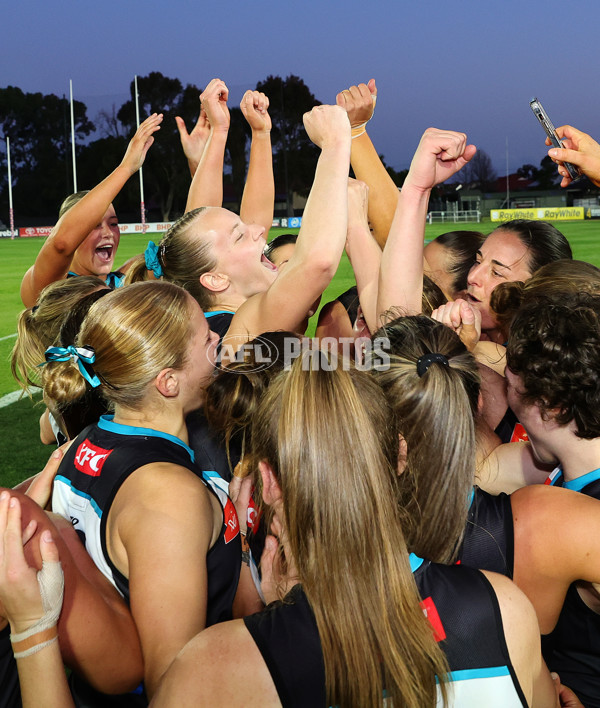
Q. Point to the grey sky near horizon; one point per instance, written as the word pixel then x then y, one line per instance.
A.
pixel 467 65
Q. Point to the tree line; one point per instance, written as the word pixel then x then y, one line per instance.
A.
pixel 39 129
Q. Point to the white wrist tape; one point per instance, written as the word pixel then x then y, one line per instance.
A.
pixel 51 581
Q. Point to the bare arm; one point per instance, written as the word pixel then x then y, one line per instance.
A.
pixel 207 185
pixel 522 635
pixel 258 200
pixel 321 239
pixel 237 675
pixel 359 103
pixel 22 603
pixel 556 543
pixel 439 155
pixel 55 256
pixel 509 467
pixel 363 252
pixel 193 143
pixel 159 532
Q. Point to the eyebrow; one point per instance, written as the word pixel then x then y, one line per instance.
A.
pixel 495 262
pixel 234 227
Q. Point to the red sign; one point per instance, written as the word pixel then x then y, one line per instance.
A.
pixel 30 231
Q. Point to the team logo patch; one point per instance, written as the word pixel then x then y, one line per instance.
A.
pixel 519 434
pixel 232 526
pixel 90 458
pixel 430 611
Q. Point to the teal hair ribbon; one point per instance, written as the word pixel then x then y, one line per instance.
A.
pixel 151 258
pixel 83 356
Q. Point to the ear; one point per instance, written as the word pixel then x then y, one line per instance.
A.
pixel 271 490
pixel 215 282
pixel 402 454
pixel 167 383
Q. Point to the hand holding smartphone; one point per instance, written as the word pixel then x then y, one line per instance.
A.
pixel 546 123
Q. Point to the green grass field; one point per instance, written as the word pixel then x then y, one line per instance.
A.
pixel 21 452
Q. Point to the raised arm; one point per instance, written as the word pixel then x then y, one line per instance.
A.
pixel 55 256
pixel 439 155
pixel 322 234
pixel 207 185
pixel 359 103
pixel 580 149
pixel 363 252
pixel 258 200
pixel 193 143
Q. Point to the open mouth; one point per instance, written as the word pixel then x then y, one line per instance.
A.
pixel 267 263
pixel 471 298
pixel 105 253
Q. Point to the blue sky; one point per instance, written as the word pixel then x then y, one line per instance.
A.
pixel 463 65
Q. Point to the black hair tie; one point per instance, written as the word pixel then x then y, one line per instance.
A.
pixel 425 361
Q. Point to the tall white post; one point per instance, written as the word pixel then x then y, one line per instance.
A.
pixel 137 122
pixel 507 178
pixel 11 215
pixel 73 136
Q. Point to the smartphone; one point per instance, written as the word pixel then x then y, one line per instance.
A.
pixel 542 116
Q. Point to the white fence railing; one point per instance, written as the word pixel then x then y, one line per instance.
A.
pixel 454 217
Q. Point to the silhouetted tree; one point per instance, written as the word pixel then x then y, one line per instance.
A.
pixel 479 171
pixel 38 126
pixel 295 156
pixel 166 175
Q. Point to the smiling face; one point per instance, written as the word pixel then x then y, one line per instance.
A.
pixel 96 255
pixel 502 258
pixel 238 250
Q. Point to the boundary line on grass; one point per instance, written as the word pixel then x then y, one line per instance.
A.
pixel 13 397
pixel 8 336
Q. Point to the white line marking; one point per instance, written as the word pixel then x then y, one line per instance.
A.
pixel 8 336
pixel 15 396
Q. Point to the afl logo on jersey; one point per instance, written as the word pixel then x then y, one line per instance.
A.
pixel 90 458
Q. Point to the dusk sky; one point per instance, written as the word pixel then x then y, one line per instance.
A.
pixel 466 65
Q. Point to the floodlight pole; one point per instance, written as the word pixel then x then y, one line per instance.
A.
pixel 507 178
pixel 137 122
pixel 73 136
pixel 11 215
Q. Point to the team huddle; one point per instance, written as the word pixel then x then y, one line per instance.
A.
pixel 401 510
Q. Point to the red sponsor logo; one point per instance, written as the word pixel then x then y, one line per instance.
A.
pixel 252 515
pixel 35 231
pixel 430 611
pixel 519 434
pixel 232 526
pixel 90 458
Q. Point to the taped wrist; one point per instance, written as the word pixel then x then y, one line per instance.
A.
pixel 358 130
pixel 43 632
